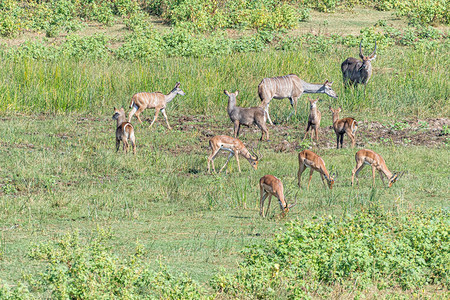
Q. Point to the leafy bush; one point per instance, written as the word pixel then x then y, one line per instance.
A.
pixel 10 18
pixel 88 47
pixel 425 11
pixel 370 248
pixel 80 269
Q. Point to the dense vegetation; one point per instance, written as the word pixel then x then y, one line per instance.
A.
pixel 83 222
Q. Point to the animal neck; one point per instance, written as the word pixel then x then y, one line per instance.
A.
pixel 231 104
pixel 313 111
pixel 385 170
pixel 312 88
pixel 170 96
pixel 335 116
pixel 120 120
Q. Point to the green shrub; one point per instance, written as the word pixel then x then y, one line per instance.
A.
pixel 10 18
pixel 425 11
pixel 141 46
pixel 88 47
pixel 87 269
pixel 358 251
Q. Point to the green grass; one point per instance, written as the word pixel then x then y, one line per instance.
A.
pixel 61 173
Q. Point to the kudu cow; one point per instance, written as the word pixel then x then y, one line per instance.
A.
pixel 246 116
pixel 355 71
pixel 291 87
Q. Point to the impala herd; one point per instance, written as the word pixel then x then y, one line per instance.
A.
pixel 354 72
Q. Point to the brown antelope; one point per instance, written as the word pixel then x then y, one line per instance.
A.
pixel 124 131
pixel 308 159
pixel 235 147
pixel 369 157
pixel 314 118
pixel 291 87
pixel 156 100
pixel 342 126
pixel 355 71
pixel 270 186
pixel 246 116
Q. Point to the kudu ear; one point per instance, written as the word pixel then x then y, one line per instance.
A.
pixel 177 84
pixel 226 92
pixel 237 92
pixel 372 57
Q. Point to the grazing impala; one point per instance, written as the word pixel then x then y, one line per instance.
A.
pixel 368 157
pixel 355 71
pixel 156 100
pixel 314 119
pixel 342 126
pixel 308 159
pixel 235 147
pixel 124 131
pixel 271 186
pixel 246 116
pixel 291 87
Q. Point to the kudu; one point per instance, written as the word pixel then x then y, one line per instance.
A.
pixel 291 87
pixel 355 71
pixel 270 186
pixel 235 147
pixel 377 163
pixel 342 126
pixel 156 100
pixel 246 116
pixel 314 118
pixel 124 131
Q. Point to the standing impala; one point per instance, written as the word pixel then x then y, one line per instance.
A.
pixel 314 119
pixel 124 131
pixel 291 87
pixel 235 147
pixel 355 71
pixel 369 157
pixel 270 186
pixel 308 159
pixel 342 126
pixel 156 100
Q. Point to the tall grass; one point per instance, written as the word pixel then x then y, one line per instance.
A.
pixel 405 82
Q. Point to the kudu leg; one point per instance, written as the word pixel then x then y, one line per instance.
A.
pixel 138 113
pixel 165 117
pixel 267 114
pixel 156 117
pixel 132 112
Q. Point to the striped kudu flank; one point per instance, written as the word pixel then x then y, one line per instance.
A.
pixel 156 100
pixel 291 87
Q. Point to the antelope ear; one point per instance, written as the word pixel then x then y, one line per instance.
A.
pixel 326 81
pixel 237 92
pixel 331 83
pixel 226 92
pixel 372 57
pixel 177 84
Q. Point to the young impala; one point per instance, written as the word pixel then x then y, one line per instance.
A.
pixel 235 147
pixel 156 100
pixel 342 126
pixel 314 119
pixel 124 131
pixel 368 157
pixel 270 186
pixel 308 159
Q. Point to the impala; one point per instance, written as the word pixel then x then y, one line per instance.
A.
pixel 156 100
pixel 355 71
pixel 291 87
pixel 246 116
pixel 308 159
pixel 235 147
pixel 369 157
pixel 314 118
pixel 270 186
pixel 342 126
pixel 124 131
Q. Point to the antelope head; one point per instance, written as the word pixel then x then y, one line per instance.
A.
pixel 332 178
pixel 255 159
pixel 328 90
pixel 288 207
pixel 396 176
pixel 313 102
pixel 177 89
pixel 367 59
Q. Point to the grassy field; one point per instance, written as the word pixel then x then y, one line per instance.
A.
pixel 59 171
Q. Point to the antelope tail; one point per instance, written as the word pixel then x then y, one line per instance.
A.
pixel 354 126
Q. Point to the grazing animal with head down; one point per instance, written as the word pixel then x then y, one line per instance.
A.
pixel 246 116
pixel 270 186
pixel 355 71
pixel 309 159
pixel 235 147
pixel 342 126
pixel 124 131
pixel 156 100
pixel 369 157
pixel 291 87
pixel 314 119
